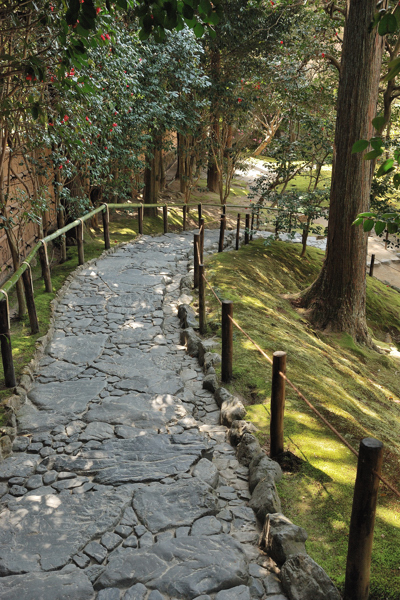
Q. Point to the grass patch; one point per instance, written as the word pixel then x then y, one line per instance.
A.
pixel 356 388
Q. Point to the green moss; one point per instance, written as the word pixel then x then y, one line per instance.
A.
pixel 356 388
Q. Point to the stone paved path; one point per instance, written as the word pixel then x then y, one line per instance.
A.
pixel 121 483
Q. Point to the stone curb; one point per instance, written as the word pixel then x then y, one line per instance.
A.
pixel 25 383
pixel 284 542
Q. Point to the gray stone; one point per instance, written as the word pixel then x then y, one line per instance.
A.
pixel 93 572
pixel 247 449
pixel 3 489
pixel 60 370
pixel 130 542
pixel 272 584
pixel 191 340
pixel 185 567
pixel 81 560
pixel 77 349
pixel 182 532
pixel 34 482
pixel 241 592
pixel 221 395
pixel 97 431
pixel 96 551
pixel 256 588
pixel 281 538
pixel 160 507
pixel 187 316
pixel 17 490
pixel 210 383
pixel 140 530
pixel 66 397
pixel 203 597
pixel 123 530
pixel 18 465
pixel 238 429
pixel 20 444
pixel 303 579
pixel 129 517
pixel 144 458
pixel 232 410
pixel 57 526
pixel 111 540
pixel 265 500
pixel 155 595
pixel 207 472
pixel 136 592
pixel 206 526
pixel 47 586
pixel 146 540
pixel 109 594
pixel 261 468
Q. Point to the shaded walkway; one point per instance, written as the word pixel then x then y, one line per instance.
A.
pixel 121 484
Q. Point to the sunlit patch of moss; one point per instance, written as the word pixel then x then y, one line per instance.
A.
pixel 355 388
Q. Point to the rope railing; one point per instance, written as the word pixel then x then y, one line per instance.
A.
pixel 294 387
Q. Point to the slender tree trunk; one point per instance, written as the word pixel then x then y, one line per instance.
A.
pixel 213 174
pixel 337 298
pixel 12 243
pixel 152 178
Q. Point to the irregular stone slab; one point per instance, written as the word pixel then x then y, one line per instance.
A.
pixel 161 507
pixel 44 532
pixel 142 332
pixel 182 568
pixel 47 586
pixel 265 500
pixel 241 592
pixel 68 396
pixel 144 458
pixel 263 467
pixel 207 471
pixel 137 410
pixel 18 465
pixel 97 431
pixel 281 538
pixel 136 592
pixel 206 526
pixel 109 594
pixel 78 349
pixel 32 420
pixel 303 579
pixel 61 370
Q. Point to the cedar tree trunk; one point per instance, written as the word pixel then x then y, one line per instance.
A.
pixel 337 298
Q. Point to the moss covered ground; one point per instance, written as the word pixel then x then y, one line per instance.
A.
pixel 355 388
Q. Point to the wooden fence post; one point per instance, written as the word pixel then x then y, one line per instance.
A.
pixel 362 521
pixel 184 216
pixel 224 209
pixel 106 227
pixel 222 233
pixel 5 343
pixel 196 245
pixel 371 266
pixel 30 299
pixel 227 341
pixel 79 239
pixel 277 403
pixel 44 260
pixel 237 231
pixel 246 231
pixel 199 209
pixel 201 248
pixel 202 301
pixel 165 218
pixel 140 219
pixel 252 226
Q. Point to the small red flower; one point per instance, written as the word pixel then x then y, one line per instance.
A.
pixel 66 117
pixel 51 124
pixel 103 38
pixel 29 77
pixel 239 99
pixel 87 118
pixel 323 55
pixel 98 9
pixel 281 42
pixel 108 37
pixel 60 167
pixel 115 125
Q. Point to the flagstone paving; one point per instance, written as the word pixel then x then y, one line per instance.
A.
pixel 121 484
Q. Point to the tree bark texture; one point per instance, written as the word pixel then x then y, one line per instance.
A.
pixel 152 178
pixel 337 298
pixel 212 172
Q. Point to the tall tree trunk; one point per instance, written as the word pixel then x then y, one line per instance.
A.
pixel 152 178
pixel 213 174
pixel 13 245
pixel 337 298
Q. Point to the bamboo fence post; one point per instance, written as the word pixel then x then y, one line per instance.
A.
pixel 371 266
pixel 227 341
pixel 79 239
pixel 224 209
pixel 44 260
pixel 237 231
pixel 202 301
pixel 184 216
pixel 5 344
pixel 165 218
pixel 106 227
pixel 140 219
pixel 222 233
pixel 30 299
pixel 196 239
pixel 362 521
pixel 277 403
pixel 246 231
pixel 199 210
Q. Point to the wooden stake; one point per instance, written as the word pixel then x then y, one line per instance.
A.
pixel 106 227
pixel 199 210
pixel 252 226
pixel 79 239
pixel 5 343
pixel 371 266
pixel 140 219
pixel 201 249
pixel 246 232
pixel 362 521
pixel 277 403
pixel 202 301
pixel 222 233
pixel 30 299
pixel 44 260
pixel 227 341
pixel 184 208
pixel 165 218
pixel 196 245
pixel 237 231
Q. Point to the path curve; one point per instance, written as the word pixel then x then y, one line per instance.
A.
pixel 114 490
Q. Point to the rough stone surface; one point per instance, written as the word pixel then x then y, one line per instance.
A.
pixel 185 567
pixel 281 539
pixel 232 410
pixel 47 586
pixel 262 467
pixel 207 472
pixel 265 500
pixel 241 592
pixel 247 449
pixel 303 579
pixel 136 592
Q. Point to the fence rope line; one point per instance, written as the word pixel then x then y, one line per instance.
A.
pixel 283 375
